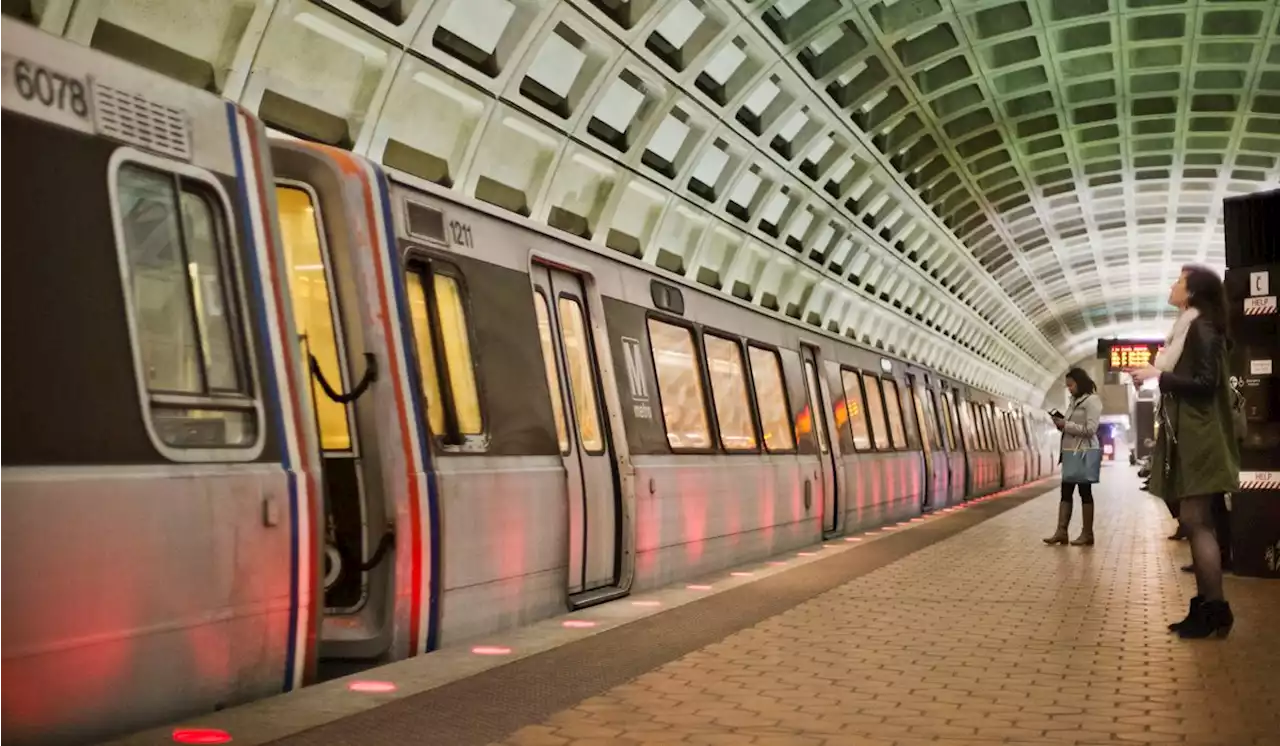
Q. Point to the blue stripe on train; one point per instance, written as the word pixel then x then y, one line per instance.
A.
pixel 415 388
pixel 271 386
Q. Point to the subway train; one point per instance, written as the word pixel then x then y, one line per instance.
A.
pixel 269 403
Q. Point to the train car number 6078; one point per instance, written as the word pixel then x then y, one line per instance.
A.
pixel 35 82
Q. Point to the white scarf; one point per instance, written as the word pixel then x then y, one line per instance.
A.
pixel 1167 358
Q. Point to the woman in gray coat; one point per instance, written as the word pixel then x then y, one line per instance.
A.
pixel 1079 429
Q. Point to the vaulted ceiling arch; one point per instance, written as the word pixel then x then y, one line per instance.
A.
pixel 987 185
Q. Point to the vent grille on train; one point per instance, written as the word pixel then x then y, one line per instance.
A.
pixel 142 122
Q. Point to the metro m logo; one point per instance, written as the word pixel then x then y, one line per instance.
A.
pixel 635 369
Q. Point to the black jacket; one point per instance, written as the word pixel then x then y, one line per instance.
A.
pixel 1198 372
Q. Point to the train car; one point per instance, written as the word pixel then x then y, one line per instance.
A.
pixel 1030 426
pixel 1050 444
pixel 953 440
pixel 1015 456
pixel 981 448
pixel 292 407
pixel 944 483
pixel 160 486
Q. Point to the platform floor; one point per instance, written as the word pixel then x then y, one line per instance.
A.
pixel 988 636
pixel 961 629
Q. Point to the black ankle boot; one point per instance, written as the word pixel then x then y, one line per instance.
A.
pixel 1212 618
pixel 1191 612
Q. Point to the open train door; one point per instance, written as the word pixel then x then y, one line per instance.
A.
pixel 934 487
pixel 821 415
pixel 340 272
pixel 573 369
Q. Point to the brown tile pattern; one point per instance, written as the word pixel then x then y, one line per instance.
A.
pixel 479 709
pixel 986 637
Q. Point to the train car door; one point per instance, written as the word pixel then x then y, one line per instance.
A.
pixel 358 336
pixel 339 375
pixel 915 390
pixel 820 413
pixel 573 373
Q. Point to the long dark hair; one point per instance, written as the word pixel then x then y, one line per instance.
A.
pixel 1206 294
pixel 1084 384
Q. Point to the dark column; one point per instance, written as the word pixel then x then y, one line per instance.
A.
pixel 1252 224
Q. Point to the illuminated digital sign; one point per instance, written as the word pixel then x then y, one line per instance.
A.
pixel 1127 355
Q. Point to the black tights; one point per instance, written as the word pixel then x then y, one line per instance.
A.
pixel 1086 492
pixel 1221 524
pixel 1199 519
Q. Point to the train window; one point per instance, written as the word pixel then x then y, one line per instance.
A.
pixel 185 324
pixel 937 428
pixel 968 426
pixel 729 392
pixel 437 312
pixel 684 405
pixel 894 403
pixel 875 411
pixel 910 404
pixel 857 409
pixel 582 379
pixel 771 400
pixel 934 425
pixel 313 309
pixel 949 409
pixel 543 312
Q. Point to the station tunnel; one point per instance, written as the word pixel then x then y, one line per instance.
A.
pixel 573 312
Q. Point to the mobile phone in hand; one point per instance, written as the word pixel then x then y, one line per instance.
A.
pixel 1055 414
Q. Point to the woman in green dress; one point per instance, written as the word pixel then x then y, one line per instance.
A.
pixel 1196 458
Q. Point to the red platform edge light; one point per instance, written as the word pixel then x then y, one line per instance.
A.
pixel 200 736
pixel 698 587
pixel 646 603
pixel 577 624
pixel 371 687
pixel 490 650
pixel 742 574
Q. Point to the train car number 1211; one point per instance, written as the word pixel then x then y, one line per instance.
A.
pixel 36 90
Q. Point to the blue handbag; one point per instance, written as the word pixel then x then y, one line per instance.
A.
pixel 1082 466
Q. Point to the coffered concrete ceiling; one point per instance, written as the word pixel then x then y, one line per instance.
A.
pixel 985 186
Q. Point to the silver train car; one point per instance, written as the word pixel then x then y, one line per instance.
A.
pixel 269 403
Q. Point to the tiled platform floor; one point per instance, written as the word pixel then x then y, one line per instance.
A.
pixel 985 637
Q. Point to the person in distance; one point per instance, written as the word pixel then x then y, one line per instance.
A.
pixel 1197 457
pixel 1081 455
